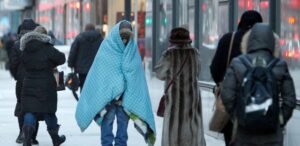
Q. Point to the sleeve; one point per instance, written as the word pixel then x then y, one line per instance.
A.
pixel 288 95
pixel 219 62
pixel 56 57
pixel 229 90
pixel 162 67
pixel 73 53
pixel 14 60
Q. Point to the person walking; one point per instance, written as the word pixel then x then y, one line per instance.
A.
pixel 180 64
pixel 16 68
pixel 269 72
pixel 116 87
pixel 83 52
pixel 223 56
pixel 39 95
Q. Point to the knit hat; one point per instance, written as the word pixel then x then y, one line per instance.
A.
pixel 180 35
pixel 26 26
pixel 41 29
pixel 248 19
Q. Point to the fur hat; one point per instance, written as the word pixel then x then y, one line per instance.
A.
pixel 180 35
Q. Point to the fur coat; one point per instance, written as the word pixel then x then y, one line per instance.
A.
pixel 182 124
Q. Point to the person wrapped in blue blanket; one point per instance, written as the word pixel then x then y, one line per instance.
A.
pixel 116 87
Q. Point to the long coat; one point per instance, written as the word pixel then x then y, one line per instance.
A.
pixel 39 58
pixel 183 114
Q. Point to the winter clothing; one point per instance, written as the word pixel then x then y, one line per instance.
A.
pixel 107 136
pixel 121 73
pixel 183 125
pixel 219 63
pixel 28 131
pixel 39 86
pixel 180 35
pixel 84 50
pixel 259 42
pixel 56 139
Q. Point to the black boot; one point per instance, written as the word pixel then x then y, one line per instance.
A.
pixel 20 138
pixel 56 139
pixel 28 131
pixel 33 140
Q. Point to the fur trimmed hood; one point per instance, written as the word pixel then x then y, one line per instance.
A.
pixel 254 39
pixel 33 36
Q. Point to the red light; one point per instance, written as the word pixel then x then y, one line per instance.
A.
pixel 264 4
pixel 296 54
pixel 203 7
pixel 281 42
pixel 249 4
pixel 296 36
pixel 87 7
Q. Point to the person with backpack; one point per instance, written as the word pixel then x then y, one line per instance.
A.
pixel 226 51
pixel 252 89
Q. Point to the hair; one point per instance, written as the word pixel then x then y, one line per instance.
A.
pixel 89 26
pixel 41 29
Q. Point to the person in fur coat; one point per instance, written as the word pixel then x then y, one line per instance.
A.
pixel 182 124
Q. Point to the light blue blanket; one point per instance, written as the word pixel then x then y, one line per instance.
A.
pixel 116 69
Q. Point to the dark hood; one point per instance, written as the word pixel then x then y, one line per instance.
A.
pixel 90 36
pixel 261 36
pixel 26 26
pixel 30 37
pixel 248 19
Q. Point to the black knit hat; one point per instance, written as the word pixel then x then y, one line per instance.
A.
pixel 180 35
pixel 26 26
pixel 248 19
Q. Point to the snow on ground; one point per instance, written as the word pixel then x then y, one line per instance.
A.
pixel 66 111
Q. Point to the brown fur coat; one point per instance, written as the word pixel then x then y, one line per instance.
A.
pixel 183 114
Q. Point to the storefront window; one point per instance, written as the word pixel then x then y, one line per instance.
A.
pixel 44 18
pixel 187 16
pixel 165 13
pixel 58 30
pixel 87 12
pixel 290 30
pixel 260 5
pixel 72 21
pixel 210 23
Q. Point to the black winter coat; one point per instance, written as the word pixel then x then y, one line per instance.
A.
pixel 15 65
pixel 39 57
pixel 219 62
pixel 84 50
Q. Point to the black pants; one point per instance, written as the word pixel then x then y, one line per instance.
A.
pixel 82 78
pixel 227 131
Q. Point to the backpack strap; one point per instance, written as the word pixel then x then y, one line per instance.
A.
pixel 246 60
pixel 273 62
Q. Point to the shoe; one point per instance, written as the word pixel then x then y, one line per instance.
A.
pixel 34 142
pixel 20 138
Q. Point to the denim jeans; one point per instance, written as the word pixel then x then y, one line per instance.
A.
pixel 50 119
pixel 107 136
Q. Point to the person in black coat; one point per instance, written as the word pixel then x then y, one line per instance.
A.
pixel 219 63
pixel 83 51
pixel 17 71
pixel 39 95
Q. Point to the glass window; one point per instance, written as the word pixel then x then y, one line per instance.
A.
pixel 187 16
pixel 210 23
pixel 72 21
pixel 260 5
pixel 165 12
pixel 58 30
pixel 290 29
pixel 44 18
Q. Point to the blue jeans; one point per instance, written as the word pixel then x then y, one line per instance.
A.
pixel 107 135
pixel 50 119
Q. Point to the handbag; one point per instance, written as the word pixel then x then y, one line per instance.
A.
pixel 59 78
pixel 162 102
pixel 72 82
pixel 220 116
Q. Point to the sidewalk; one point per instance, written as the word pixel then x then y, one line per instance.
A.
pixel 66 111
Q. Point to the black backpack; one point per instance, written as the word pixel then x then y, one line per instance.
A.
pixel 258 105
